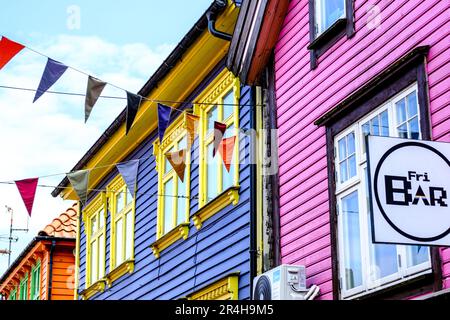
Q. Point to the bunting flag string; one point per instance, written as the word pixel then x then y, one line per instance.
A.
pixel 93 91
pixel 163 119
pixel 219 131
pixel 133 103
pixel 8 50
pixel 191 128
pixel 178 161
pixel 128 171
pixel 79 181
pixel 52 72
pixel 27 190
pixel 226 149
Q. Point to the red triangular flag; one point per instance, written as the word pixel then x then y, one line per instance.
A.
pixel 219 131
pixel 27 190
pixel 8 49
pixel 226 149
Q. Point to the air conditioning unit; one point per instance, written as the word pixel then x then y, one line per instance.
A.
pixel 285 282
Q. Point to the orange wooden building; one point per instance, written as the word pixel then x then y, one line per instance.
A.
pixel 45 270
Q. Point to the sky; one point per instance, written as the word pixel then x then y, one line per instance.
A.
pixel 121 42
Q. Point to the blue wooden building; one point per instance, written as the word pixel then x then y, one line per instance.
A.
pixel 202 242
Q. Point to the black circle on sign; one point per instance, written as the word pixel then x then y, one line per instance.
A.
pixel 377 171
pixel 262 289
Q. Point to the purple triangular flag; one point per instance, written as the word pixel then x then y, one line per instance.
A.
pixel 128 171
pixel 93 91
pixel 133 102
pixel 163 119
pixel 52 72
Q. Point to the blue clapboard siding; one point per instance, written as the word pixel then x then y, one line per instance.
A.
pixel 220 247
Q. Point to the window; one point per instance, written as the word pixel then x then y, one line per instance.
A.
pixel 365 266
pixel 329 20
pixel 214 178
pixel 122 209
pixel 13 294
pixel 327 12
pixel 218 187
pixel 173 194
pixel 23 288
pixel 35 285
pixel 95 230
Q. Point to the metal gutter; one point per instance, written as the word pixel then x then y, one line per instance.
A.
pixel 193 34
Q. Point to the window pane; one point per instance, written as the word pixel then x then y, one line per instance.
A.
pixel 352 166
pixel 212 116
pixel 383 257
pixel 129 236
pixel 168 206
pixel 403 131
pixel 101 218
pixel 119 242
pixel 384 124
pixel 94 272
pixel 412 104
pixel 414 128
pixel 352 241
pixel 167 165
pixel 328 12
pixel 211 169
pixel 351 143
pixel 181 201
pixel 94 224
pixel 342 145
pixel 120 201
pixel 375 126
pixel 101 256
pixel 228 109
pixel 343 171
pixel 401 111
pixel 417 255
pixel 129 197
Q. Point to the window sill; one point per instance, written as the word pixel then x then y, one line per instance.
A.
pixel 337 29
pixel 118 272
pixel 229 196
pixel 179 232
pixel 98 286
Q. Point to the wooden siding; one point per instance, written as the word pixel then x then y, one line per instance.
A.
pixel 219 248
pixel 63 274
pixel 304 95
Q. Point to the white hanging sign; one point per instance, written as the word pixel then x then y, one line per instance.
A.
pixel 409 191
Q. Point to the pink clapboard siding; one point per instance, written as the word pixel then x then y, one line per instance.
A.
pixel 304 95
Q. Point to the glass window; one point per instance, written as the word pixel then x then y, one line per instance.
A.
pixel 347 157
pixel 95 241
pixel 168 206
pixel 327 13
pixel 228 107
pixel 35 283
pixel 212 174
pixel 119 242
pixel 23 289
pixel 364 265
pixel 213 115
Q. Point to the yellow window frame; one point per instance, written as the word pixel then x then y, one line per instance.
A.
pixel 89 213
pixel 226 288
pixel 213 96
pixel 174 134
pixel 117 186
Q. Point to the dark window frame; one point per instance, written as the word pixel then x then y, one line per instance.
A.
pixel 407 70
pixel 343 26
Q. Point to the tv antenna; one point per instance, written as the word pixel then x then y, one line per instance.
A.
pixel 11 238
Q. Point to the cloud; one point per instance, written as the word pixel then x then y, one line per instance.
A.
pixel 50 136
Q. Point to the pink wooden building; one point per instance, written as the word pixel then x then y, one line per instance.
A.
pixel 342 69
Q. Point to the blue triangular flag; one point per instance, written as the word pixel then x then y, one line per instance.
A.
pixel 52 72
pixel 129 171
pixel 133 102
pixel 163 119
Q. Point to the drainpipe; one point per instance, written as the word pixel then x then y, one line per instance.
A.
pixel 211 16
pixel 50 279
pixel 253 186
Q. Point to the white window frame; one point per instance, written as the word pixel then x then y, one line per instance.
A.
pixel 358 183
